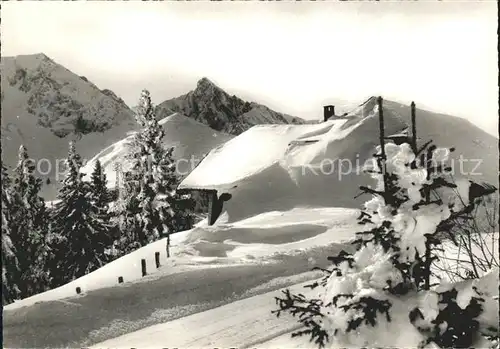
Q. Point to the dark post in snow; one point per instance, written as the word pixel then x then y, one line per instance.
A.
pixel 168 246
pixel 413 128
pixel 78 290
pixel 157 259
pixel 382 137
pixel 212 206
pixel 143 264
pixel 120 279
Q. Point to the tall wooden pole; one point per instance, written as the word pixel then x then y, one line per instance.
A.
pixel 382 137
pixel 413 128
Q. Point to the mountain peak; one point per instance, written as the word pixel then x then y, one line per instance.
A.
pixel 204 85
pixel 205 81
pixel 211 105
pixel 38 56
pixel 41 55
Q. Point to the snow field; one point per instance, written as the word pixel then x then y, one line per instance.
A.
pixel 248 323
pixel 238 324
pixel 275 232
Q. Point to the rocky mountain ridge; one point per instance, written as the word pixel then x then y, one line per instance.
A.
pixel 211 105
pixel 59 100
pixel 45 105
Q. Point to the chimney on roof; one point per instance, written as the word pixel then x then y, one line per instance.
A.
pixel 329 111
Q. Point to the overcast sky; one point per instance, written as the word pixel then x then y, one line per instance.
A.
pixel 293 57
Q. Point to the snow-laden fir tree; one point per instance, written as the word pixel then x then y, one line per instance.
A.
pixel 122 217
pixel 10 264
pixel 151 199
pixel 81 226
pixel 125 217
pixel 30 236
pixel 99 198
pixel 99 193
pixel 389 274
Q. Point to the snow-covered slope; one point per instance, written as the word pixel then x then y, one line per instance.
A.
pixel 278 167
pixel 128 266
pixel 455 260
pixel 256 327
pixel 44 105
pixel 242 324
pixel 248 241
pixel 192 141
pixel 212 106
pixel 477 149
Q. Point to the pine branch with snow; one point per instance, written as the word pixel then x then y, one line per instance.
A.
pixel 403 223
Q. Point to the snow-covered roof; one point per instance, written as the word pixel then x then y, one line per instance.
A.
pixel 262 146
pixel 275 167
pixel 258 148
pixel 251 152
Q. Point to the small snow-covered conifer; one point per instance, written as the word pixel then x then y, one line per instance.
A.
pixel 402 227
pixel 10 264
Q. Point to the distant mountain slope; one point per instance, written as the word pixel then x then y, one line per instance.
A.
pixel 211 105
pixel 280 167
pixel 476 147
pixel 192 141
pixel 44 106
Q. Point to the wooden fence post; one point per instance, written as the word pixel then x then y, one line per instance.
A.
pixel 157 259
pixel 143 263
